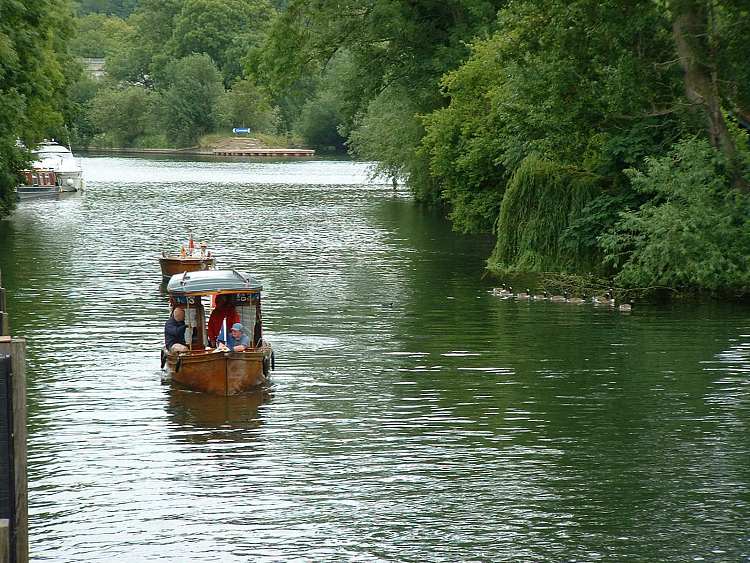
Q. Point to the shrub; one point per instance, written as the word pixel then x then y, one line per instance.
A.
pixel 543 199
pixel 694 231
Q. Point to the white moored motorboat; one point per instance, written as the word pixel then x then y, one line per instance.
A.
pixel 53 171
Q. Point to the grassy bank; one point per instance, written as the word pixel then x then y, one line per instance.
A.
pixel 206 144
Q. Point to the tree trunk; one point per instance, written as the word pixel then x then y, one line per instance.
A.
pixel 698 59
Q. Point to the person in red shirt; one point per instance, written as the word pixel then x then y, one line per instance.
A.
pixel 224 310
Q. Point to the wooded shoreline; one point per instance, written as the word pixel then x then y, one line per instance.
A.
pixel 625 155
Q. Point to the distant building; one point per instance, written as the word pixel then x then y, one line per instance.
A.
pixel 94 67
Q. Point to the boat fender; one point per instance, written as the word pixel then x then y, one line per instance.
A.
pixel 266 366
pixel 163 357
pixel 273 361
pixel 178 365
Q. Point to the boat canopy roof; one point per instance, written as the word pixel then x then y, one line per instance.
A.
pixel 213 281
pixel 51 147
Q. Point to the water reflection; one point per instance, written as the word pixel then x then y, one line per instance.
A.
pixel 201 418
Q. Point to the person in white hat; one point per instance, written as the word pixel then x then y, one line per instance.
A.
pixel 240 341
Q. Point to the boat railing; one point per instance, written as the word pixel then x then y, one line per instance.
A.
pixel 201 253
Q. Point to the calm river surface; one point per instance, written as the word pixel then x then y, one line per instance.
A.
pixel 413 416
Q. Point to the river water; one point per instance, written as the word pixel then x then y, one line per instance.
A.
pixel 413 416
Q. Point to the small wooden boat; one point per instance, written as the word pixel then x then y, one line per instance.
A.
pixel 187 260
pixel 218 370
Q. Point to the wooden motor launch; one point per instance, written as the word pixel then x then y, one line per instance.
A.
pixel 188 259
pixel 210 367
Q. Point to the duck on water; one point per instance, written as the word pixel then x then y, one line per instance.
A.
pixel 506 292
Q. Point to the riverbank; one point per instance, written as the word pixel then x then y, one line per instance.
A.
pixel 190 151
pixel 586 286
pixel 218 145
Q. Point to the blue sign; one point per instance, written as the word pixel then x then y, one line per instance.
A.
pixel 240 130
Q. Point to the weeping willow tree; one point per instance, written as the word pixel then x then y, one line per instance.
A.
pixel 542 201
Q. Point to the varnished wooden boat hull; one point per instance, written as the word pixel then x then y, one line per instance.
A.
pixel 171 265
pixel 220 373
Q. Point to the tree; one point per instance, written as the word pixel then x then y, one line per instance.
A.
pixel 697 39
pixel 403 46
pixel 549 114
pixel 574 83
pixel 388 133
pixel 35 74
pixel 223 29
pixel 82 128
pixel 318 123
pixel 99 35
pixel 694 229
pixel 120 8
pixel 124 114
pixel 245 105
pixel 190 100
pixel 143 55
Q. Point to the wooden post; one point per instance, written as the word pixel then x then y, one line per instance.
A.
pixel 21 528
pixel 14 532
pixel 18 525
pixel 4 324
pixel 4 541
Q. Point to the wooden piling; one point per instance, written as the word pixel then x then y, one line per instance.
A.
pixel 18 527
pixel 21 527
pixel 4 541
pixel 4 322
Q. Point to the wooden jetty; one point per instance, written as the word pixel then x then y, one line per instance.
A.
pixel 263 152
pixel 14 519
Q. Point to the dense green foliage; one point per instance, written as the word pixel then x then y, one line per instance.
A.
pixel 169 54
pixel 586 135
pixel 99 36
pixel 593 88
pixel 693 231
pixel 124 113
pixel 540 204
pixel 246 105
pixel 35 76
pixel 396 52
pixel 546 123
pixel 319 120
pixel 120 8
pixel 225 30
pixel 189 101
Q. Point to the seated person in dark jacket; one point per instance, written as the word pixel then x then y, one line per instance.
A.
pixel 174 331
